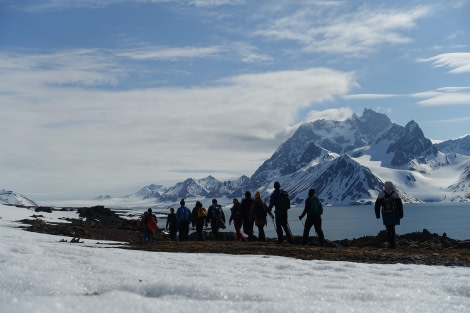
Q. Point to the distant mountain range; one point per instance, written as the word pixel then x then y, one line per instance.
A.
pixel 347 162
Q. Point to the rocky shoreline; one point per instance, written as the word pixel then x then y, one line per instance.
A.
pixel 99 223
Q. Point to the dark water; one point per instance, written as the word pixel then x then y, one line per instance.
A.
pixel 357 221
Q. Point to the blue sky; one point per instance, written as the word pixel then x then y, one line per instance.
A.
pixel 103 97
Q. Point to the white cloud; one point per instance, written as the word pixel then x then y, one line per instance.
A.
pixel 352 33
pixel 169 53
pixel 340 114
pixel 444 96
pixel 56 5
pixel 458 62
pixel 369 96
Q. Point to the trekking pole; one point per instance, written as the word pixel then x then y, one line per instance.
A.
pixel 272 218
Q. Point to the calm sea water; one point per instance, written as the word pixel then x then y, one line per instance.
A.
pixel 357 221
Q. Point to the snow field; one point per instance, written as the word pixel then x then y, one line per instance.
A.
pixel 40 274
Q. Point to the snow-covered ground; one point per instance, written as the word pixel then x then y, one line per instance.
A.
pixel 38 273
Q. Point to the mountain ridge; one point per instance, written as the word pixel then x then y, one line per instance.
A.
pixel 347 162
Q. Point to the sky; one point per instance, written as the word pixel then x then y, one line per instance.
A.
pixel 105 97
pixel 46 275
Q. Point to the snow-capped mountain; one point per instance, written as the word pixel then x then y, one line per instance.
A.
pixel 347 162
pixel 460 145
pixel 208 187
pixel 13 198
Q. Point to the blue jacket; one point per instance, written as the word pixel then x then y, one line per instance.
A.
pixel 183 215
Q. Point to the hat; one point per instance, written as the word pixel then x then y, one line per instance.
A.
pixel 311 192
pixel 389 185
pixel 247 194
pixel 214 201
pixel 258 195
pixel 150 210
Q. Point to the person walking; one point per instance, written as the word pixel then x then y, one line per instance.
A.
pixel 258 213
pixel 216 217
pixel 199 215
pixel 389 202
pixel 280 213
pixel 237 219
pixel 171 224
pixel 248 224
pixel 314 210
pixel 183 218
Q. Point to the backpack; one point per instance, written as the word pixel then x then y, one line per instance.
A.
pixel 217 216
pixel 388 204
pixel 315 206
pixel 151 223
pixel 284 200
pixel 260 210
pixel 201 212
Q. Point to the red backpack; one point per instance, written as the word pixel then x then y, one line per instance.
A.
pixel 152 223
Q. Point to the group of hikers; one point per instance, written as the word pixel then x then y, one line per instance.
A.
pixel 254 211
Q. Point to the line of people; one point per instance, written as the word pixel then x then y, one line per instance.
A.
pixel 250 212
pixel 245 215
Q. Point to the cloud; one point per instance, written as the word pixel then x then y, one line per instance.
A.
pixel 458 62
pixel 169 53
pixel 339 114
pixel 350 32
pixel 444 96
pixel 369 96
pixel 60 128
pixel 35 6
pixel 230 50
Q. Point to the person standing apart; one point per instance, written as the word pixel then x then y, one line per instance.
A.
pixel 314 210
pixel 281 215
pixel 237 219
pixel 389 202
pixel 183 217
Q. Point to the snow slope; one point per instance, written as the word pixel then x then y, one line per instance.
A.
pixel 41 274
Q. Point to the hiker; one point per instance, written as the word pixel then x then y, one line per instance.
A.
pixel 216 217
pixel 258 213
pixel 199 215
pixel 281 214
pixel 314 210
pixel 148 225
pixel 389 202
pixel 171 224
pixel 237 219
pixel 183 218
pixel 245 212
